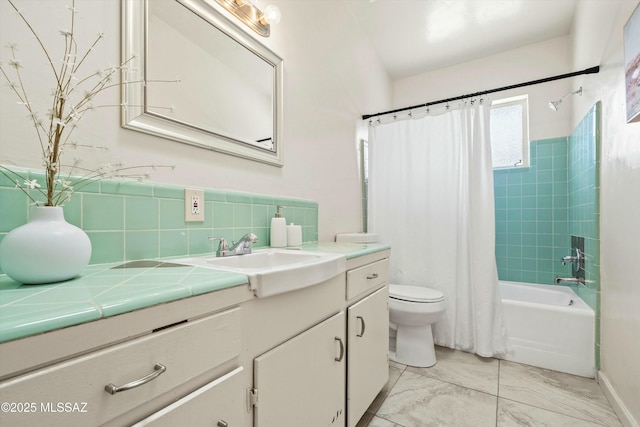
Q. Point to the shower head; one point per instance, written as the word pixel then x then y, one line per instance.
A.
pixel 554 105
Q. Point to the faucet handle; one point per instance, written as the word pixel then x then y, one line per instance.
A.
pixel 223 245
pixel 566 259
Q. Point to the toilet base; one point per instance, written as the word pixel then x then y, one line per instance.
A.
pixel 414 346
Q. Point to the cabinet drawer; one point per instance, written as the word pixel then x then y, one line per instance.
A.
pixel 220 403
pixel 367 277
pixel 187 351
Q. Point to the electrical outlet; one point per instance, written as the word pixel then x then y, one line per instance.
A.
pixel 193 205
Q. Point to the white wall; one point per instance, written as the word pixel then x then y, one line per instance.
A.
pixel 598 38
pixel 528 63
pixel 331 78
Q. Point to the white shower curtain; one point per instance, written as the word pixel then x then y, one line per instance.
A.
pixel 431 199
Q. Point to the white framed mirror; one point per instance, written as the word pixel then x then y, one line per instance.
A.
pixel 229 94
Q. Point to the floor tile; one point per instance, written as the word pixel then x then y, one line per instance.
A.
pixel 419 401
pixel 464 369
pixel 514 414
pixel 555 391
pixel 395 370
pixel 460 391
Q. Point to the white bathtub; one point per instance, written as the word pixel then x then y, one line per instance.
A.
pixel 550 327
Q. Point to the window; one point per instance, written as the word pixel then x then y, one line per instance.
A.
pixel 510 132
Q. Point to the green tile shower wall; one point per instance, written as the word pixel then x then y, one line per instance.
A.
pixel 539 208
pixel 131 220
pixel 532 224
pixel 584 204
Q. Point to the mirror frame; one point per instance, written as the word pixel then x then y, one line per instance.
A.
pixel 134 112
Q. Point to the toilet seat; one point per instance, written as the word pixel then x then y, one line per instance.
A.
pixel 416 294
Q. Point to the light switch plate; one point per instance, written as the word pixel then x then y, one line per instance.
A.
pixel 193 205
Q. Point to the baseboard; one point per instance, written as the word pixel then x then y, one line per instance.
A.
pixel 626 418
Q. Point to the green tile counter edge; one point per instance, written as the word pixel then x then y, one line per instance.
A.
pixel 103 291
pixel 100 292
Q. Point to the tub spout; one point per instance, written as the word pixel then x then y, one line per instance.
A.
pixel 559 280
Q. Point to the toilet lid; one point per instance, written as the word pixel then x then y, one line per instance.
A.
pixel 415 293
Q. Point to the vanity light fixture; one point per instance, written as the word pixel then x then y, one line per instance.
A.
pixel 248 12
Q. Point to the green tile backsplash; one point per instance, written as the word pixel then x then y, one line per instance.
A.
pixel 128 220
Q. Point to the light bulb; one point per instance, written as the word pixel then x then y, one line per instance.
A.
pixel 271 15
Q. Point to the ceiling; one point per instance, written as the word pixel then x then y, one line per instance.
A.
pixel 416 36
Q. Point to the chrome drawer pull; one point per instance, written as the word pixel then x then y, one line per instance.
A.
pixel 373 276
pixel 223 423
pixel 157 370
pixel 339 358
pixel 363 326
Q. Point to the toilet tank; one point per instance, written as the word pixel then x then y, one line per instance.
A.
pixel 356 238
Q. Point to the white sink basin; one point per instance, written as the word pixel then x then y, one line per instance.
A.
pixel 275 271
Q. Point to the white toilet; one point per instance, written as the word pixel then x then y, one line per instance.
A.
pixel 412 311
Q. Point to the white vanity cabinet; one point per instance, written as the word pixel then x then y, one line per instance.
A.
pixel 367 293
pixel 311 357
pixel 321 354
pixel 122 383
pixel 302 381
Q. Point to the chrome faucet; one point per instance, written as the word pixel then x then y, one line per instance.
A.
pixel 223 246
pixel 578 281
pixel 241 247
pixel 576 260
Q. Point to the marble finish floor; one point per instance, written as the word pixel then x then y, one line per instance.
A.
pixel 463 389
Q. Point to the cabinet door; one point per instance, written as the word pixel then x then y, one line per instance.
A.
pixel 222 403
pixel 302 381
pixel 368 364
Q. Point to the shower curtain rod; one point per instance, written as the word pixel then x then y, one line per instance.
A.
pixel 592 70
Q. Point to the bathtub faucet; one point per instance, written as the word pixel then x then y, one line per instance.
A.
pixel 579 281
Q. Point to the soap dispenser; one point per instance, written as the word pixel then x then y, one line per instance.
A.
pixel 294 235
pixel 278 229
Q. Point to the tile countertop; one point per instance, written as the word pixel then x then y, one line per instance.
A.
pixel 105 290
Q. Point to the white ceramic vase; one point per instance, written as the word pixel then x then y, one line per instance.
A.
pixel 46 249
